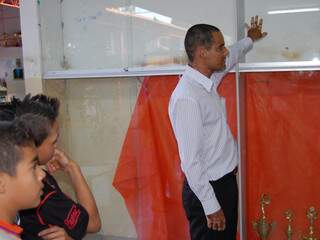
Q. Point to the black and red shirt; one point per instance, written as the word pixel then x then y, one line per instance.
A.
pixel 55 209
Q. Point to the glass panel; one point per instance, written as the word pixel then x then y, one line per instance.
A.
pixel 89 35
pixel 84 34
pixel 293 30
pixel 159 28
pixel 282 147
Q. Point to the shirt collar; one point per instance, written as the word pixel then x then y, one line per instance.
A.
pixel 207 83
pixel 10 228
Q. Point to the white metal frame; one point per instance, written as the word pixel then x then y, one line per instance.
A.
pixel 177 70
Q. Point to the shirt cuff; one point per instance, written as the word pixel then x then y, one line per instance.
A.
pixel 210 206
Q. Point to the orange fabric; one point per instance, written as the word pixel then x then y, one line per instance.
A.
pixel 283 146
pixel 10 228
pixel 148 175
pixel 282 153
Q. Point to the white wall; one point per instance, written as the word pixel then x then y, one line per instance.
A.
pixel 94 117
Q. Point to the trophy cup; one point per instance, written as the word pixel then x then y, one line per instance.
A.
pixel 261 225
pixel 289 232
pixel 312 215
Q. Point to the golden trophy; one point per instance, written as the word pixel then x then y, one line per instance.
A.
pixel 289 232
pixel 312 215
pixel 5 40
pixel 261 225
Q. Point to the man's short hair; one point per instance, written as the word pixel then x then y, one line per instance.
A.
pixel 40 104
pixel 13 135
pixel 199 35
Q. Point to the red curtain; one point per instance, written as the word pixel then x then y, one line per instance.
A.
pixel 283 146
pixel 148 175
pixel 283 152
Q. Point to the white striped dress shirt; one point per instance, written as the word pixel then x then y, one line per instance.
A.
pixel 197 113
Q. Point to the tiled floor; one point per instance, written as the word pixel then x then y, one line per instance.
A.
pixel 104 237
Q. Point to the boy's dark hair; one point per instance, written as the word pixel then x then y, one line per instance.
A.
pixel 199 35
pixel 38 127
pixel 7 111
pixel 40 104
pixel 13 135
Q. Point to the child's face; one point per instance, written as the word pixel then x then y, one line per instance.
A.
pixel 46 149
pixel 25 188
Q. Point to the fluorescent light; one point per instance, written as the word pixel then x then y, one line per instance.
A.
pixel 145 13
pixel 299 10
pixel 137 12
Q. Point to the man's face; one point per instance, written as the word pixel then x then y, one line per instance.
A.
pixel 25 187
pixel 215 57
pixel 46 149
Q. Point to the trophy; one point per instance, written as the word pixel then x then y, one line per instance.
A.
pixel 312 215
pixel 261 225
pixel 289 232
pixel 5 40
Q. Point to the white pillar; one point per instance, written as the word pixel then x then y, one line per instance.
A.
pixel 31 46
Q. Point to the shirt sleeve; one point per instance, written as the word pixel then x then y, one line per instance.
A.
pixel 186 120
pixel 236 52
pixel 60 210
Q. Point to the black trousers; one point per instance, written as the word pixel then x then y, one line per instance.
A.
pixel 226 191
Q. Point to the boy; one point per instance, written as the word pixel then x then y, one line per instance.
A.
pixel 19 171
pixel 57 216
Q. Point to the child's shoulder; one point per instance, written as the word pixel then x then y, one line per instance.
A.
pixel 50 183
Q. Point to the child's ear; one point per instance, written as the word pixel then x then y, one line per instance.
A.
pixel 2 183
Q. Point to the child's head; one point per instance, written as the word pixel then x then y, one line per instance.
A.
pixel 20 176
pixel 7 111
pixel 48 108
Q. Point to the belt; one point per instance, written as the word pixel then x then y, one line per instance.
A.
pixel 233 173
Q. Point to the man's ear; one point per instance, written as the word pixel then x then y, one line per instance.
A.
pixel 203 52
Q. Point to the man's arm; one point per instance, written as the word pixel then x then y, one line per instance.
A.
pixel 185 116
pixel 241 48
pixel 81 188
pixel 236 52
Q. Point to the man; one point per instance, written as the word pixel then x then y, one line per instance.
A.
pixel 207 149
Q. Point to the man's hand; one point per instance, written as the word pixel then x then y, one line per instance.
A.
pixel 216 221
pixel 54 233
pixel 59 161
pixel 255 29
